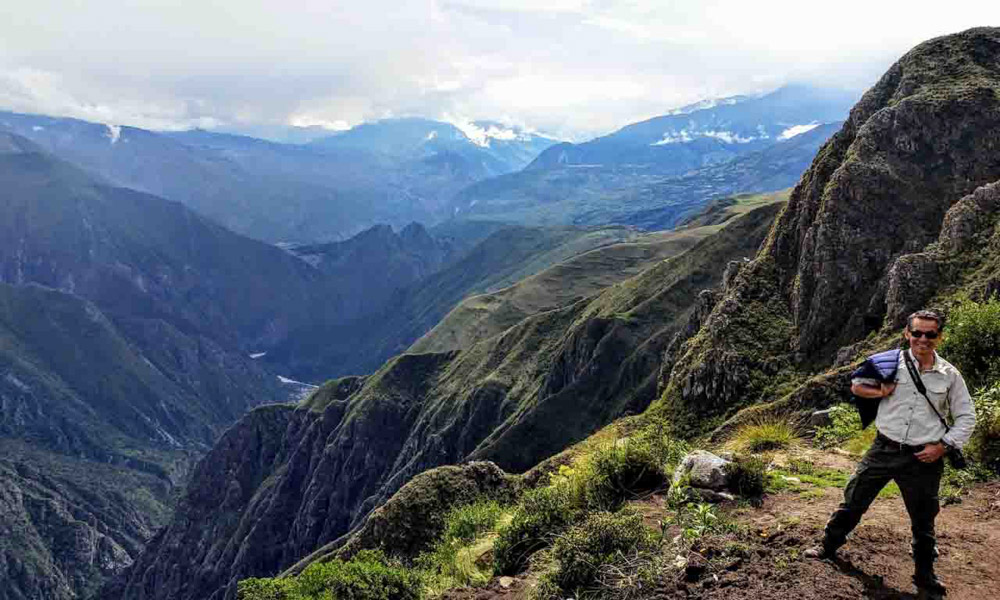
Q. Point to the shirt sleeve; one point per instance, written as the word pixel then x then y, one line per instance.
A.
pixel 962 411
pixel 866 381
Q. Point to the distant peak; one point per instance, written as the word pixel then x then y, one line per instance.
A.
pixel 14 144
pixel 707 104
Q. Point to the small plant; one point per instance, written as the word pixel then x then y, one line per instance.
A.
pixel 601 539
pixel 765 434
pixel 845 423
pixel 801 467
pixel 703 520
pixel 748 475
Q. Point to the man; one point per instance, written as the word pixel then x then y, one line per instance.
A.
pixel 909 447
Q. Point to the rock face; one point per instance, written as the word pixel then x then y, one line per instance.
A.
pixel 125 326
pixel 285 482
pixel 926 136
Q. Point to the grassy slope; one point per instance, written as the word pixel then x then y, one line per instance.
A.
pixel 504 257
pixel 581 276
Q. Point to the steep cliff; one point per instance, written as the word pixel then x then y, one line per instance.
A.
pixel 284 481
pixel 919 141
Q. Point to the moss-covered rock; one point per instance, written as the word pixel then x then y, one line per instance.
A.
pixel 414 517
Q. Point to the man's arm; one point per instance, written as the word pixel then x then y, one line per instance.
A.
pixel 962 411
pixel 870 388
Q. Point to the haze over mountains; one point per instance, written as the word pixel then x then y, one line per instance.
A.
pixel 394 171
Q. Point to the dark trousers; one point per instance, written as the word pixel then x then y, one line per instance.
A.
pixel 918 482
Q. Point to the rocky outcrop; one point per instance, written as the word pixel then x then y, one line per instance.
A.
pixel 969 235
pixel 414 517
pixel 923 138
pixel 68 524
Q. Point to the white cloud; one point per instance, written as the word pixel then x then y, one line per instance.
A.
pixel 797 130
pixel 569 67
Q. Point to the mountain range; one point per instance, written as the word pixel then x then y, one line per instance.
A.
pixel 653 172
pixel 394 171
pixel 139 319
pixel 763 316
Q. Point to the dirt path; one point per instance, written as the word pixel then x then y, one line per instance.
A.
pixel 874 564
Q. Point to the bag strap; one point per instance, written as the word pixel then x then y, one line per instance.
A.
pixel 917 381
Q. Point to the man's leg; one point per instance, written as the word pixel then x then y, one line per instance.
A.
pixel 872 474
pixel 919 484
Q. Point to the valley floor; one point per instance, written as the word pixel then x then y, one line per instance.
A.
pixel 765 563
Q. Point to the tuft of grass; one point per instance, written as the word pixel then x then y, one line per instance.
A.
pixel 538 517
pixel 765 434
pixel 586 551
pixel 367 576
pixel 890 491
pixel 456 559
pixel 466 523
pixel 747 475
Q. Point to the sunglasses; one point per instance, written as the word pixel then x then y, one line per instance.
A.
pixel 931 335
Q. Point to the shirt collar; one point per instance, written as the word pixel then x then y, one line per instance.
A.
pixel 937 366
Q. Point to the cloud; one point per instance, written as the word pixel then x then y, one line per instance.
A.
pixel 569 67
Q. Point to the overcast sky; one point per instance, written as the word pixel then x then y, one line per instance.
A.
pixel 566 67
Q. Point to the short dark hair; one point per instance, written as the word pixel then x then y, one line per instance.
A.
pixel 929 315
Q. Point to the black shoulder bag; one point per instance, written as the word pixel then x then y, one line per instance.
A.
pixel 954 455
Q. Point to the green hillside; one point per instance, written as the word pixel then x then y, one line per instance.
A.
pixel 515 398
pixel 485 315
pixel 319 351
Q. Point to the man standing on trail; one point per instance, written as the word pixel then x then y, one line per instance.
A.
pixel 911 441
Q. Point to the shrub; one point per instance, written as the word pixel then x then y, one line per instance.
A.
pixel 747 475
pixel 538 517
pixel 601 539
pixel 266 589
pixel 468 522
pixel 845 423
pixel 367 576
pixel 621 471
pixel 765 434
pixel 972 341
pixel 984 447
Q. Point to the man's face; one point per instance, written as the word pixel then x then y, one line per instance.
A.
pixel 916 335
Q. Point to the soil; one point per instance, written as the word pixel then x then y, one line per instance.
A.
pixel 874 564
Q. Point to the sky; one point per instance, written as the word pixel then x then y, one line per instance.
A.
pixel 569 68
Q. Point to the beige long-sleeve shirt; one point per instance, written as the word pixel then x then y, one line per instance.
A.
pixel 905 417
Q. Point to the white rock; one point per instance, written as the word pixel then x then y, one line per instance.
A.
pixel 704 470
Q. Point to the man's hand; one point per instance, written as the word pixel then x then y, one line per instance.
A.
pixel 888 388
pixel 931 452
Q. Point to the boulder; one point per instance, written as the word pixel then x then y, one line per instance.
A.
pixel 821 418
pixel 704 470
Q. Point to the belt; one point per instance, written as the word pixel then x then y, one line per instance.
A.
pixel 894 445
